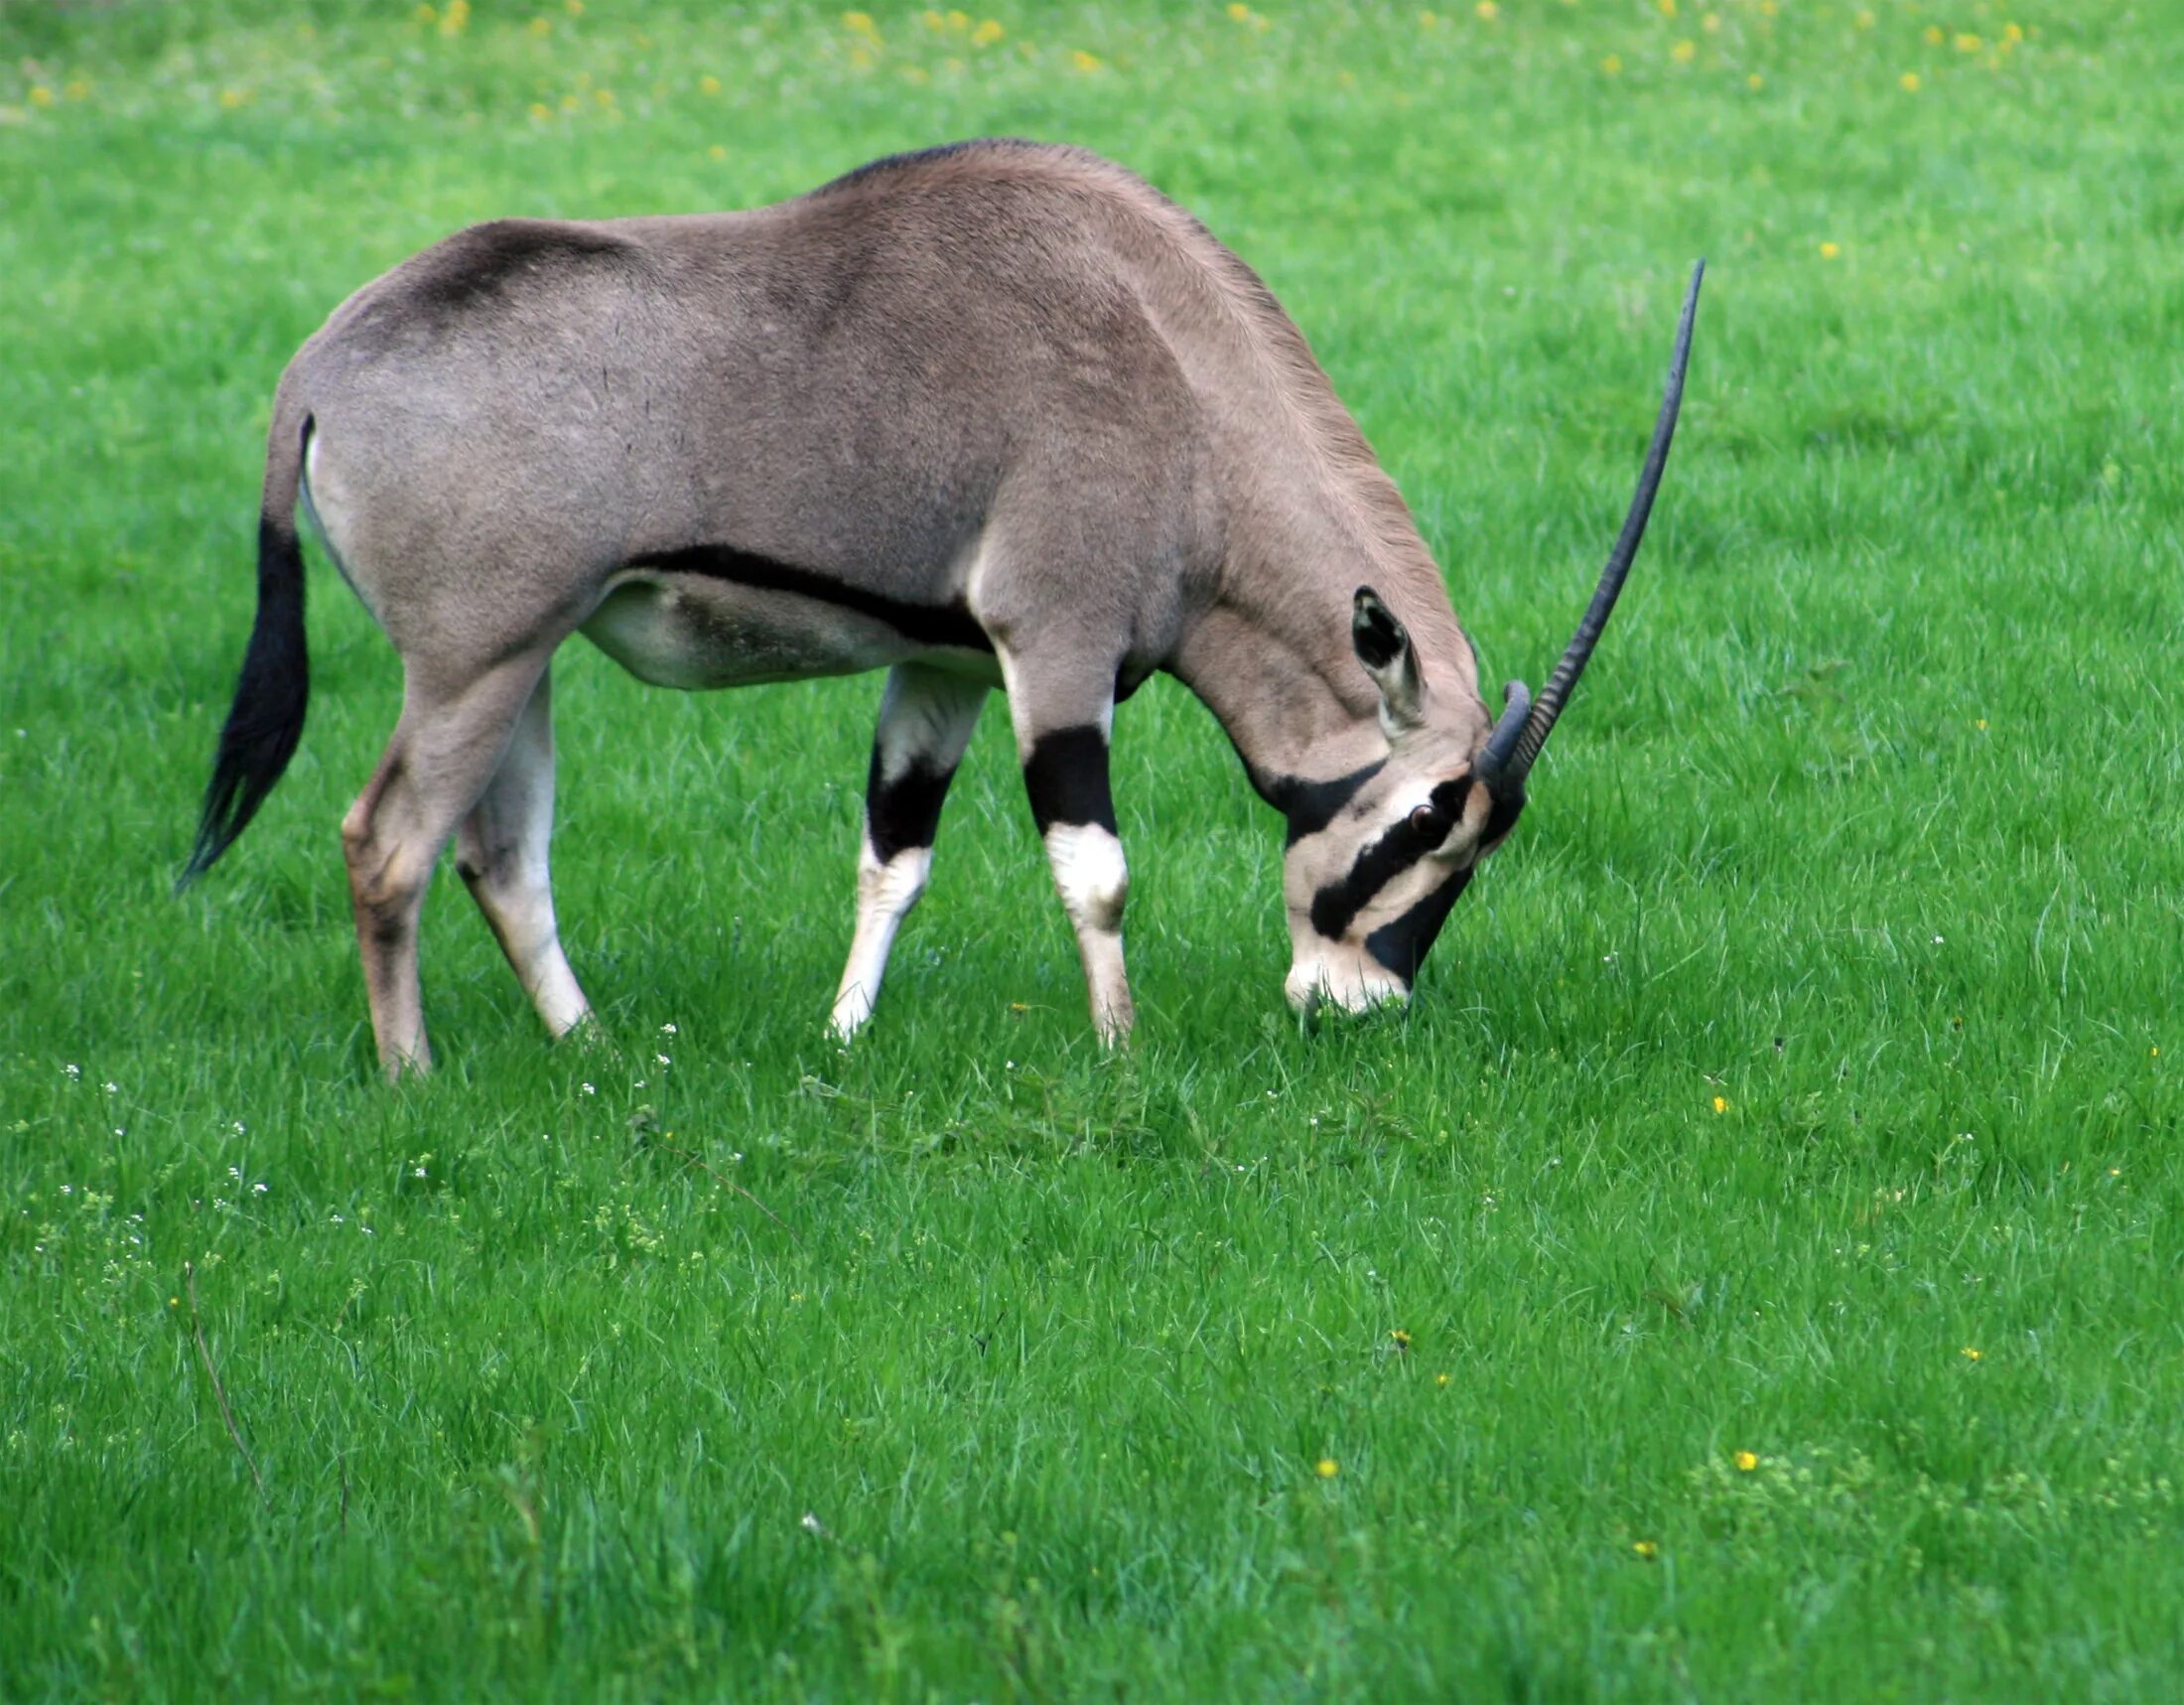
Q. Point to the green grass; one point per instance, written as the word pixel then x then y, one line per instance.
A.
pixel 1862 832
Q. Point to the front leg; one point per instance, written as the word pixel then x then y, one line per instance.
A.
pixel 927 717
pixel 1063 719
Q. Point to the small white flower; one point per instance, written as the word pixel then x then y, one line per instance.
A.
pixel 238 1128
pixel 68 1190
pixel 340 1220
pixel 662 1058
pixel 111 1087
pixel 259 1188
pixel 812 1524
pixel 417 1171
pixel 1937 940
pixel 74 1072
pixel 586 1090
pixel 667 1030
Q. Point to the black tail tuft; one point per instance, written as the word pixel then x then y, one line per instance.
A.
pixel 267 719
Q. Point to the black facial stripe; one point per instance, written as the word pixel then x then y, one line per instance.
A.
pixel 1401 946
pixel 904 812
pixel 1336 906
pixel 1066 777
pixel 1311 805
pixel 927 623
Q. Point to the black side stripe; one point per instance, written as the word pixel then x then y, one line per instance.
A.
pixel 1401 946
pixel 1336 906
pixel 927 623
pixel 1066 777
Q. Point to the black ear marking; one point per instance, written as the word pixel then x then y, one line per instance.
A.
pixel 1378 636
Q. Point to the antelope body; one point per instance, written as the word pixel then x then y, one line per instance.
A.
pixel 996 414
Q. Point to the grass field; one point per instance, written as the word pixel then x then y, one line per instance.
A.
pixel 1753 1268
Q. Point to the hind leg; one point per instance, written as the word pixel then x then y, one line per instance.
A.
pixel 927 717
pixel 447 748
pixel 500 852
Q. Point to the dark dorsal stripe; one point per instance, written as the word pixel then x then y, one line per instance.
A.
pixel 1066 777
pixel 1401 946
pixel 1336 906
pixel 926 624
pixel 1311 805
pixel 904 811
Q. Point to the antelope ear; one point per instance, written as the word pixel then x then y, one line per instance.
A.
pixel 1383 647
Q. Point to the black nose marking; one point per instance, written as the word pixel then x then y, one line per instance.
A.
pixel 1401 946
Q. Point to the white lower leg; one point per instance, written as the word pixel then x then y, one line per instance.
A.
pixel 886 892
pixel 1094 882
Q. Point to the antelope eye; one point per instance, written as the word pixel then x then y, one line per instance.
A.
pixel 1428 823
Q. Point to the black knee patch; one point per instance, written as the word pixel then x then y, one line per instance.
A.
pixel 1066 777
pixel 904 812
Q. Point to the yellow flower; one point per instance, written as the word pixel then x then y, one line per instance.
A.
pixel 716 152
pixel 2012 34
pixel 540 26
pixel 1968 1354
pixel 1427 20
pixel 1936 34
pixel 2154 1052
pixel 959 21
pixel 424 14
pixel 709 85
pixel 1441 1379
pixel 1968 43
pixel 575 8
pixel 1711 23
pixel 1720 1103
pixel 1402 1339
pixel 1613 65
pixel 932 20
pixel 1487 10
pixel 1684 53
pixel 568 103
pixel 1239 11
pixel 1646 1548
pixel 1768 8
pixel 539 109
pixel 1755 80
pixel 230 98
pixel 988 33
pixel 78 89
pixel 1829 250
pixel 1746 1462
pixel 1909 82
pixel 1980 723
pixel 174 1302
pixel 41 95
pixel 1668 8
pixel 1085 62
pixel 1327 1468
pixel 858 23
pixel 605 96
pixel 1864 20
pixel 456 19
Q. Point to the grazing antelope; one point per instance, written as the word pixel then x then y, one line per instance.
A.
pixel 993 414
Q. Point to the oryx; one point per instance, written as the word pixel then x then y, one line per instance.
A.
pixel 992 414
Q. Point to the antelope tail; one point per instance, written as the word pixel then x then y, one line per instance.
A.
pixel 267 718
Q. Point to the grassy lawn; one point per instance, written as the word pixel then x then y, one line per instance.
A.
pixel 1753 1268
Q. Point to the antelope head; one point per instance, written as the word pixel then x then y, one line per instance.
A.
pixel 1377 859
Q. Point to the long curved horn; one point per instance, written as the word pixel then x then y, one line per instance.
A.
pixel 1509 755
